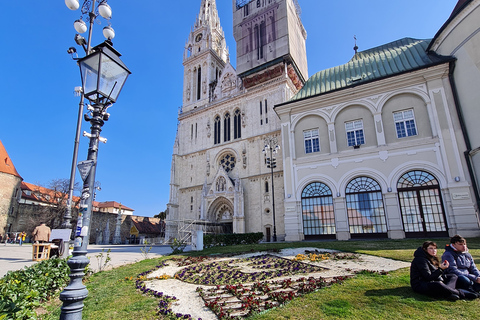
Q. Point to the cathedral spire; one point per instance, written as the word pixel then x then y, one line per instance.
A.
pixel 205 57
pixel 208 15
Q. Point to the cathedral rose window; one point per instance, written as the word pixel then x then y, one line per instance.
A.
pixel 228 162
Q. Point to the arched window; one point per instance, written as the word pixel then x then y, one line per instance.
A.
pixel 317 211
pixel 226 127
pixel 237 125
pixel 421 205
pixel 365 210
pixel 216 130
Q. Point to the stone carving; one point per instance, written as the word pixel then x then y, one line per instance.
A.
pixel 244 157
pixel 209 130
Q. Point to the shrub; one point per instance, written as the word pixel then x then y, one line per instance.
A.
pixel 178 246
pixel 231 239
pixel 23 290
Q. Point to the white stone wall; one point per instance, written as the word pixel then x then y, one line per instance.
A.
pixel 437 148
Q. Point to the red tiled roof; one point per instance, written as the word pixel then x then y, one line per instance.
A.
pixel 114 204
pixel 38 190
pixel 147 225
pixel 6 164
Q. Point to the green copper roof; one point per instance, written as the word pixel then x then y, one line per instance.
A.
pixel 390 59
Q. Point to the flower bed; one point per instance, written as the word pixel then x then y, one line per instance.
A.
pixel 238 301
pixel 227 272
pixel 238 288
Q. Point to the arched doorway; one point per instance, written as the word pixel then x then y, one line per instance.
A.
pixel 421 204
pixel 317 212
pixel 220 216
pixel 365 210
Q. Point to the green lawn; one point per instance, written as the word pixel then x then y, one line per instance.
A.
pixel 112 295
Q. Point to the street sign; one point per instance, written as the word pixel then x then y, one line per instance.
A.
pixel 84 167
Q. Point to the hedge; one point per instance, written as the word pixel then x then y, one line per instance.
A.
pixel 23 290
pixel 231 239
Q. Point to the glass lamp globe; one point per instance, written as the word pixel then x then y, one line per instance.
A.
pixel 80 26
pixel 108 33
pixel 72 4
pixel 103 74
pixel 105 10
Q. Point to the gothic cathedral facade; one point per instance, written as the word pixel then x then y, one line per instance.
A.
pixel 220 181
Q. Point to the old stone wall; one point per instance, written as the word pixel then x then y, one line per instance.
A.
pixel 9 188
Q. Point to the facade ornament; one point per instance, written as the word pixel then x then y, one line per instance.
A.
pixel 209 129
pixel 244 157
pixel 188 92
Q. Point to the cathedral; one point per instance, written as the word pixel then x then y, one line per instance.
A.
pixel 220 181
pixel 381 147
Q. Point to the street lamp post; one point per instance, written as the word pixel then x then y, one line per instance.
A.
pixel 88 8
pixel 103 76
pixel 270 149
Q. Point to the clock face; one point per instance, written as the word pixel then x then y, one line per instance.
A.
pixel 198 37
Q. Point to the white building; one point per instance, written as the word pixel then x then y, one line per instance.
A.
pixel 219 178
pixel 372 148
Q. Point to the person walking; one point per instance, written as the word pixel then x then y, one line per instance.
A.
pixel 21 237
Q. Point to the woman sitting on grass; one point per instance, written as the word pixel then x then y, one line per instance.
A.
pixel 427 275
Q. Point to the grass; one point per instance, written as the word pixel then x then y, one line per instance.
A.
pixel 366 296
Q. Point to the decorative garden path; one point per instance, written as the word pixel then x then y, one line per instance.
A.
pixel 189 300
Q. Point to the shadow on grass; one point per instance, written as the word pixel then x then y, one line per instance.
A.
pixel 405 292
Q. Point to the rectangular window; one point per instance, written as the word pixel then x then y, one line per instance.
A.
pixel 311 141
pixel 355 135
pixel 405 123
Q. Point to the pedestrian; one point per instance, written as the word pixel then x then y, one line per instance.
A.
pixel 6 238
pixel 21 237
pixel 462 264
pixel 427 275
pixel 41 233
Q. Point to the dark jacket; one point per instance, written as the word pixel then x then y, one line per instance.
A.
pixel 461 263
pixel 423 271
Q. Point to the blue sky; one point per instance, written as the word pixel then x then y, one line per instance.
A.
pixel 39 109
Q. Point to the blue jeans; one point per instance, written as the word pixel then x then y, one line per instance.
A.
pixel 463 282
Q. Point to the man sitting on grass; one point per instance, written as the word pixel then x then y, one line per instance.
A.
pixel 462 264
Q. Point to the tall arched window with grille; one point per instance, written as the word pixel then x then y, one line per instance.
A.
pixel 237 124
pixel 365 209
pixel 317 211
pixel 421 205
pixel 216 130
pixel 226 127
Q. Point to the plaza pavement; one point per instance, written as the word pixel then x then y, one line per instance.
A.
pixel 15 257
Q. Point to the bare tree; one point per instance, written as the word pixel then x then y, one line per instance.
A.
pixel 51 205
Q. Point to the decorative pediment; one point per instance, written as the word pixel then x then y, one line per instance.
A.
pixel 222 184
pixel 229 83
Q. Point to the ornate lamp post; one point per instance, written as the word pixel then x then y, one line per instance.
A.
pixel 103 76
pixel 270 149
pixel 88 8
